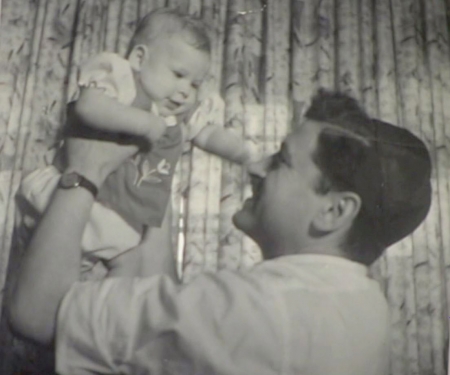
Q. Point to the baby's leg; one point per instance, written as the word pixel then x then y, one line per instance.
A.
pixel 157 250
pixel 106 235
pixel 153 256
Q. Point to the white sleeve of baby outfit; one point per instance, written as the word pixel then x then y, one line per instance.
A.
pixel 110 73
pixel 106 234
pixel 210 111
pixel 38 186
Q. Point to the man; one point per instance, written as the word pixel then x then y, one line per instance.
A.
pixel 341 189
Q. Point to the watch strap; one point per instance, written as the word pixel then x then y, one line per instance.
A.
pixel 70 180
pixel 85 183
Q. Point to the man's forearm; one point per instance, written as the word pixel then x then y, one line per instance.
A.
pixel 50 265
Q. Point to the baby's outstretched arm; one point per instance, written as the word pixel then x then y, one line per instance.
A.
pixel 224 143
pixel 97 110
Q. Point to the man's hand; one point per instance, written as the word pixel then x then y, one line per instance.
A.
pixel 96 159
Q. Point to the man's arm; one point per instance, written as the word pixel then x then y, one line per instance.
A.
pixel 219 323
pixel 153 256
pixel 99 111
pixel 224 143
pixel 51 263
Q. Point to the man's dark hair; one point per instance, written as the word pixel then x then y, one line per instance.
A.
pixel 386 166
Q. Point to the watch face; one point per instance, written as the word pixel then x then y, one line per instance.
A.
pixel 69 180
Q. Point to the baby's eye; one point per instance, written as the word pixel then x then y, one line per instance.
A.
pixel 178 74
pixel 195 85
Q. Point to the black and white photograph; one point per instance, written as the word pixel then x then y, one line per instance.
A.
pixel 224 187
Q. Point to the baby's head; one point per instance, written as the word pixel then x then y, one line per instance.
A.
pixel 170 55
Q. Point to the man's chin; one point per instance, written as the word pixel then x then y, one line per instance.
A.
pixel 244 221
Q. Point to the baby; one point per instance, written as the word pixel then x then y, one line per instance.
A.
pixel 152 95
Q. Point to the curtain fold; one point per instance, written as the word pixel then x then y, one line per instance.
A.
pixel 268 57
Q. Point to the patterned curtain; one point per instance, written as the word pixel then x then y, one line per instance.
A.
pixel 269 56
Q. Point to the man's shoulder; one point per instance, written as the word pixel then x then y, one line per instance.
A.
pixel 328 301
pixel 318 275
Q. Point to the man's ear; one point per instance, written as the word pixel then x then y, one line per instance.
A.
pixel 137 56
pixel 339 211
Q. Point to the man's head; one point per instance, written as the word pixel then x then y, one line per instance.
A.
pixel 170 55
pixel 341 180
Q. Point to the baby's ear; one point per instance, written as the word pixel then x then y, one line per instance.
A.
pixel 137 56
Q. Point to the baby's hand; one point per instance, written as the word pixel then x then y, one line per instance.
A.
pixel 252 156
pixel 186 116
pixel 247 160
pixel 157 127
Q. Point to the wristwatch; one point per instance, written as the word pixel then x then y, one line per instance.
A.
pixel 72 180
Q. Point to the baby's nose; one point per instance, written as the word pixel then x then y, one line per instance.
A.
pixel 184 89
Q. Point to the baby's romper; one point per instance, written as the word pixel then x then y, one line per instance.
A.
pixel 134 196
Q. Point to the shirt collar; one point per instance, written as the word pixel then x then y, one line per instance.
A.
pixel 324 260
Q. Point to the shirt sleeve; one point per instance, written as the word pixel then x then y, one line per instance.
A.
pixel 209 111
pixel 220 323
pixel 110 73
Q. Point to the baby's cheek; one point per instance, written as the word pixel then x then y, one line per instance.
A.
pixel 190 103
pixel 184 114
pixel 193 97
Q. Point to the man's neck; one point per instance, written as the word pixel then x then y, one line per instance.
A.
pixel 324 246
pixel 323 250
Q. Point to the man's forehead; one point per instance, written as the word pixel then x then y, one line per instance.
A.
pixel 300 144
pixel 306 132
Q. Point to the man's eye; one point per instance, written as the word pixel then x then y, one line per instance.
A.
pixel 178 74
pixel 195 85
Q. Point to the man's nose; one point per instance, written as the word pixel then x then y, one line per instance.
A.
pixel 259 168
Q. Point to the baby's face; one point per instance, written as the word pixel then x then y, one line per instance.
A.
pixel 172 73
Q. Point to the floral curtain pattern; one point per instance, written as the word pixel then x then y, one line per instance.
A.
pixel 268 57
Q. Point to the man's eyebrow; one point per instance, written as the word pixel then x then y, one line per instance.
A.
pixel 285 153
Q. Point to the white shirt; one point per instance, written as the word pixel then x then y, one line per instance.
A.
pixel 299 314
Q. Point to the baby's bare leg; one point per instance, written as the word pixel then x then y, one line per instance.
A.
pixel 153 256
pixel 157 250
